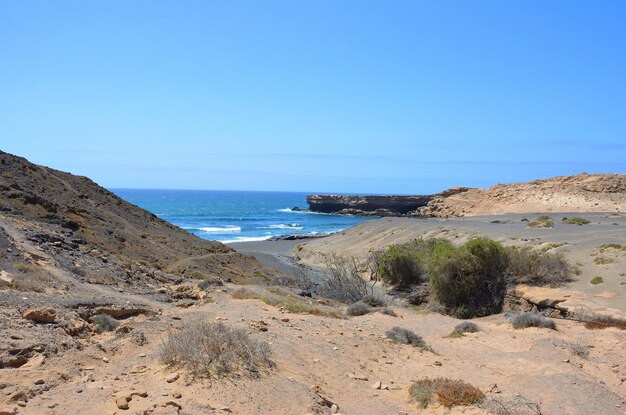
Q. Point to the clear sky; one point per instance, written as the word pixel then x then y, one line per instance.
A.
pixel 321 96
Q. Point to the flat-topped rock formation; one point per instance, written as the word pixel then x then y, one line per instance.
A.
pixel 367 205
pixel 579 193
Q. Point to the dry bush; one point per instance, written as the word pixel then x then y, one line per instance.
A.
pixel 345 279
pixel 358 309
pixel 404 336
pixel 595 321
pixel 537 268
pixel 464 327
pixel 104 322
pixel 456 392
pixel 517 405
pixel 448 392
pixel 578 348
pixel 524 320
pixel 374 300
pixel 388 311
pixel 299 279
pixel 208 350
pixel 210 282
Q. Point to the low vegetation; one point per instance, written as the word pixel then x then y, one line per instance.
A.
pixel 346 279
pixel 604 247
pixel 516 405
pixel 470 280
pixel 104 322
pixel 537 268
pixel 543 221
pixel 576 221
pixel 447 392
pixel 404 336
pixel 214 350
pixel 404 265
pixel 595 321
pixel 359 309
pixel 600 260
pixel 596 280
pixel 464 327
pixel 210 282
pixel 578 348
pixel 524 320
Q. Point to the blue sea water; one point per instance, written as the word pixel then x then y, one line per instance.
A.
pixel 236 216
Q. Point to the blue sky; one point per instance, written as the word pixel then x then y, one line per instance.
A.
pixel 332 96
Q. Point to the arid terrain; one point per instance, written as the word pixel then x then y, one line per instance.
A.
pixel 71 253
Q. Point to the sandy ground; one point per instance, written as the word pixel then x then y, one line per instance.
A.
pixel 341 357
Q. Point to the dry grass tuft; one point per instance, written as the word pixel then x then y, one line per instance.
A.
pixel 524 320
pixel 208 350
pixel 104 322
pixel 404 336
pixel 543 221
pixel 464 327
pixel 359 309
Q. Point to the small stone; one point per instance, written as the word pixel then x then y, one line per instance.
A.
pixel 438 363
pixel 79 390
pixel 40 382
pixel 566 361
pixel 105 359
pixel 177 395
pixel 121 403
pixel 40 315
pixel 384 387
pixel 172 377
pixel 284 320
pixel 377 385
pixel 174 404
pixel 225 409
pixel 21 403
pixel 334 409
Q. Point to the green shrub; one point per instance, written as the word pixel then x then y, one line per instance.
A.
pixel 469 281
pixel 404 265
pixel 576 221
pixel 537 268
pixel 543 221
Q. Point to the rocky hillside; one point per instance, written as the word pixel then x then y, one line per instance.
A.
pixel 580 193
pixel 94 234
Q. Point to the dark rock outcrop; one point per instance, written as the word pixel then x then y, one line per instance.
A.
pixel 367 205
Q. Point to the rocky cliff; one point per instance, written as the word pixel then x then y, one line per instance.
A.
pixel 366 205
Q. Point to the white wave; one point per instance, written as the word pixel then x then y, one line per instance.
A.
pixel 247 239
pixel 220 230
pixel 283 226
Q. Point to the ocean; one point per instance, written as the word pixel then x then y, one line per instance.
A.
pixel 236 216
